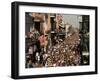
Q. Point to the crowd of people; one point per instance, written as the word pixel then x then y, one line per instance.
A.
pixel 43 50
pixel 66 52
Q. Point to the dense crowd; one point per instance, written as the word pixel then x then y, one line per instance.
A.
pixel 44 51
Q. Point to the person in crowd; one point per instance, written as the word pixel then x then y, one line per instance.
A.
pixel 30 64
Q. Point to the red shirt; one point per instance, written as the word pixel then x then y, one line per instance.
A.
pixel 41 39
